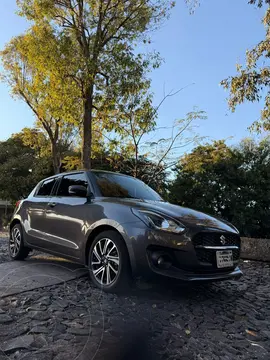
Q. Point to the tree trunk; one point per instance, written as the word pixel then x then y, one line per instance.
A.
pixel 87 130
pixel 136 161
pixel 55 157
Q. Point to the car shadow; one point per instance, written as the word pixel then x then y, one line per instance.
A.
pixel 168 289
pixel 158 289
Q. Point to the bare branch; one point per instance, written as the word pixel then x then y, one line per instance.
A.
pixel 171 146
pixel 170 94
pixel 65 22
pixel 101 133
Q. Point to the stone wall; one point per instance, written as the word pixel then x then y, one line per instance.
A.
pixel 255 249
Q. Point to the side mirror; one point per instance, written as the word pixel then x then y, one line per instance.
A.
pixel 77 190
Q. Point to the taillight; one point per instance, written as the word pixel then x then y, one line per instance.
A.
pixel 18 203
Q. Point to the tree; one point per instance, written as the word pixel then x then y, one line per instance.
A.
pixel 165 152
pixel 135 122
pixel 134 117
pixel 112 160
pixel 46 93
pixel 98 33
pixel 230 182
pixel 23 165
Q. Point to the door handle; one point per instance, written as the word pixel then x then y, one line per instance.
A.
pixel 52 204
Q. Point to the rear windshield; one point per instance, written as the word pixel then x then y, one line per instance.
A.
pixel 114 185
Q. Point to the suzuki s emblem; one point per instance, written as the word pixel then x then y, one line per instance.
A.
pixel 223 240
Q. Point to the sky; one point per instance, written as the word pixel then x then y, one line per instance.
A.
pixel 199 51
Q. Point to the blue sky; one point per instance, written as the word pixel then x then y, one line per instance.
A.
pixel 202 48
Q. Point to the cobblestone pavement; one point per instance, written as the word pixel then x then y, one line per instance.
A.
pixel 227 320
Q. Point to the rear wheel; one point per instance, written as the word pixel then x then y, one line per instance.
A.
pixel 108 262
pixel 17 250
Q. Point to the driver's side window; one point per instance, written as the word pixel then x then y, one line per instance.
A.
pixel 69 180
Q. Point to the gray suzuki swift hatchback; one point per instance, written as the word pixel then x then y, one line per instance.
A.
pixel 119 227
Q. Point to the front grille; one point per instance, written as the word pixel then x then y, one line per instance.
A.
pixel 208 256
pixel 213 239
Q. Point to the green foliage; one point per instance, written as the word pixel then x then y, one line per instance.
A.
pixel 252 81
pixel 76 43
pixel 36 140
pixel 20 168
pixel 45 91
pixel 121 162
pixel 233 183
pixel 259 3
pixel 134 120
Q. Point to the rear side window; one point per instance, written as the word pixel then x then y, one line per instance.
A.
pixel 69 180
pixel 46 187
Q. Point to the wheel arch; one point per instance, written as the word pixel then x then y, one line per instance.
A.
pixel 13 223
pixel 105 227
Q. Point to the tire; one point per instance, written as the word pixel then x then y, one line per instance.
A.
pixel 108 262
pixel 17 250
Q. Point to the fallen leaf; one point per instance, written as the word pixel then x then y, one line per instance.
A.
pixel 251 332
pixel 187 331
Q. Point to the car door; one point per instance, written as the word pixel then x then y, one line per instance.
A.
pixel 35 224
pixel 66 217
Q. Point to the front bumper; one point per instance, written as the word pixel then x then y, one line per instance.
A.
pixel 193 276
pixel 188 264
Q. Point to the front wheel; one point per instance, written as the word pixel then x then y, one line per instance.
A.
pixel 17 250
pixel 108 262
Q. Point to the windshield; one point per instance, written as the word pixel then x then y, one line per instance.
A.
pixel 115 185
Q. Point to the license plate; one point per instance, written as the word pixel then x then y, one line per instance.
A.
pixel 224 259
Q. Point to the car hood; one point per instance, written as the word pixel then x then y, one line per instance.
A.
pixel 186 216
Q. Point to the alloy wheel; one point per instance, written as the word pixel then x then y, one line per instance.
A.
pixel 15 241
pixel 105 261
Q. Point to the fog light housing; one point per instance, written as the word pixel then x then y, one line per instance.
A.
pixel 161 260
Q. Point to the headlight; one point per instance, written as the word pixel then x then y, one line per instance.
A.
pixel 159 221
